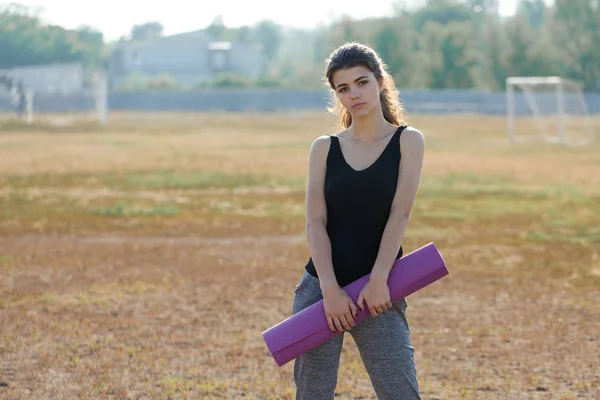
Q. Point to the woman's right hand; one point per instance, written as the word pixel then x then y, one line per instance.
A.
pixel 339 308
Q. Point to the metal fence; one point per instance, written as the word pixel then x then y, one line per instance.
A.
pixel 448 101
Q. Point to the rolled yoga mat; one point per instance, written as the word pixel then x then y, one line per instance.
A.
pixel 308 328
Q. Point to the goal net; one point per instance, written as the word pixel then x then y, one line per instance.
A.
pixel 62 94
pixel 551 109
pixel 15 98
pixel 86 103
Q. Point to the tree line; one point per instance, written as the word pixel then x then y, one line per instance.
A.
pixel 440 44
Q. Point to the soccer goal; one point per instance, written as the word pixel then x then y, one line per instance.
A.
pixel 552 109
pixel 59 94
pixel 85 101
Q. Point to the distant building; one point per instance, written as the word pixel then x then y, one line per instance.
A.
pixel 189 58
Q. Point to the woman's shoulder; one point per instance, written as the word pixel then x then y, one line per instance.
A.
pixel 411 138
pixel 322 141
pixel 320 145
pixel 325 140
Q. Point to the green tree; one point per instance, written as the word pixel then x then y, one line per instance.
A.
pixel 91 45
pixel 24 40
pixel 576 33
pixel 342 31
pixel 387 45
pixel 442 12
pixel 395 42
pixel 534 10
pixel 231 80
pixel 528 52
pixel 496 51
pixel 216 29
pixel 451 55
pixel 148 31
pixel 268 35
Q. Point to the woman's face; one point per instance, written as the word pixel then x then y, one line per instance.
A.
pixel 357 89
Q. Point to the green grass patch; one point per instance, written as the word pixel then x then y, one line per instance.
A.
pixel 14 125
pixel 5 262
pixel 575 234
pixel 498 186
pixel 551 212
pixel 152 180
pixel 198 180
pixel 50 180
pixel 470 196
pixel 122 209
pixel 188 180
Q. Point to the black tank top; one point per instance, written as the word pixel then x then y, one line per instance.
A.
pixel 358 207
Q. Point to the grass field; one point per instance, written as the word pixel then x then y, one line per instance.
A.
pixel 143 260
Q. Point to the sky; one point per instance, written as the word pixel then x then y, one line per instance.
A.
pixel 116 17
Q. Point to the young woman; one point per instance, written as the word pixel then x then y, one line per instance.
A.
pixel 362 183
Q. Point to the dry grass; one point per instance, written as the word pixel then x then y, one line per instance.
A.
pixel 143 260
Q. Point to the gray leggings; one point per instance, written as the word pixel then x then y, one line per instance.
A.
pixel 384 345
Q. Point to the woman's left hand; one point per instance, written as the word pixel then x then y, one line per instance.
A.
pixel 376 295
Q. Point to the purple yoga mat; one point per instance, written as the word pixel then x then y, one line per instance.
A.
pixel 308 328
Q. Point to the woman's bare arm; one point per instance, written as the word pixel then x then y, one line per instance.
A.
pixel 411 165
pixel 316 212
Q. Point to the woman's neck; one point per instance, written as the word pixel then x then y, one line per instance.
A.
pixel 370 128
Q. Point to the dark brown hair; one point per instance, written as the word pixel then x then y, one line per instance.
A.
pixel 354 54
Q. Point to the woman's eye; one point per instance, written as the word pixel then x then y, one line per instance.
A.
pixel 359 83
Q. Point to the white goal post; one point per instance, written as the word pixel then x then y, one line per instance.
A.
pixel 552 106
pixel 101 99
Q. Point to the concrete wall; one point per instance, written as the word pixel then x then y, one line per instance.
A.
pixel 416 101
